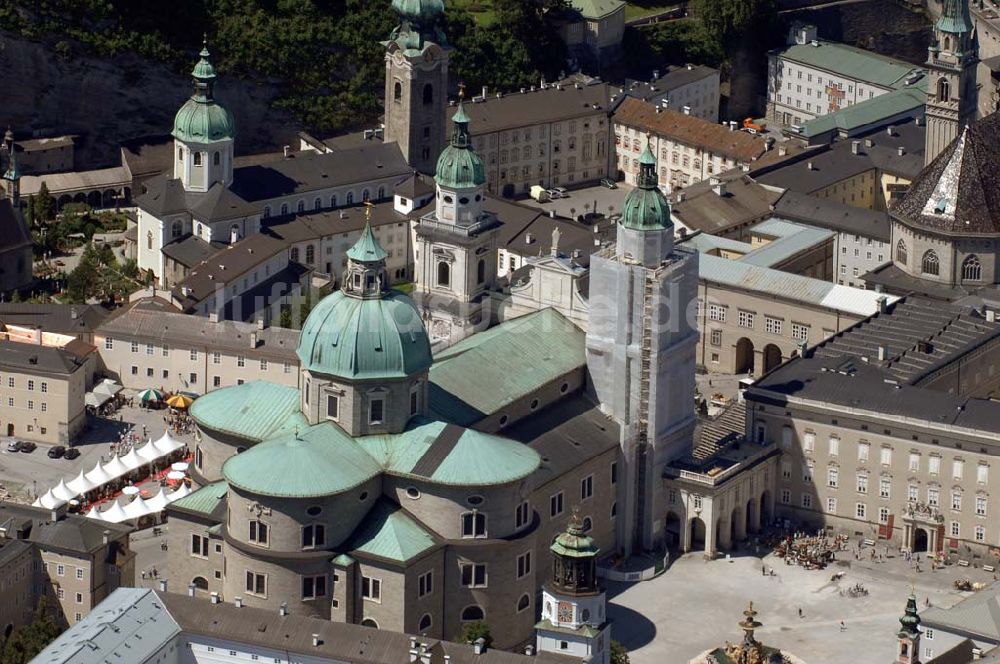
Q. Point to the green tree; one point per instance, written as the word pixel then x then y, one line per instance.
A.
pixel 619 653
pixel 84 281
pixel 27 641
pixel 475 630
pixel 732 24
pixel 44 205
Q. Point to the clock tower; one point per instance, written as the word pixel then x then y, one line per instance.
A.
pixel 574 619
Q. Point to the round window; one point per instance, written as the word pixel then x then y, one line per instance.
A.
pixel 449 199
pixel 534 404
pixel 503 420
pixel 563 388
pixel 363 496
pixel 241 450
pixel 412 492
pixel 585 615
pixel 475 500
pixel 463 200
pixel 478 198
pixel 314 510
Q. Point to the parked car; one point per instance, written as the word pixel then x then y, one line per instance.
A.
pixel 27 446
pixel 553 194
pixel 71 453
pixel 56 452
pixel 14 446
pixel 609 183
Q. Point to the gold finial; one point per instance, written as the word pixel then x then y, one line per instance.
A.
pixel 461 91
pixel 368 211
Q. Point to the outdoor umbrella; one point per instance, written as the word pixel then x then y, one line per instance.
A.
pixel 180 401
pixel 150 395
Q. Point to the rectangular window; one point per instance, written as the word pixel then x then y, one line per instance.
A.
pixel 772 325
pixel 861 511
pixel 883 515
pixel 199 545
pixel 746 319
pixel 807 471
pixel 556 504
pixel 831 505
pixel 956 500
pixel 134 347
pixel 886 456
pixel 241 361
pixel 957 469
pixel 258 532
pixel 587 487
pixel 716 337
pixel 313 536
pixel 982 473
pixel 109 343
pixel 60 570
pixel 717 312
pixel 376 412
pixel 425 584
pixel 807 500
pixel 786 496
pixel 980 505
pixel 834 444
pixel 800 332
pixel 808 441
pixel 914 461
pixel 473 524
pixel 313 587
pixel 956 529
pixel 79 570
pixel 786 470
pixel 332 406
pixel 980 534
pixel 473 575
pixel 832 477
pixel 256 584
pixel 31 386
pixel 166 350
pixel 193 355
pixel 934 465
pixel 522 515
pixel 933 496
pixel 216 357
pixel 614 472
pixel 523 565
pixel 884 487
pixel 371 588
pixel 862 482
pixel 414 401
pixel 263 364
pixel 863 449
pixel 149 349
pixel 912 493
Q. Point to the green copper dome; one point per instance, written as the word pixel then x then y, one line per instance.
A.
pixel 201 119
pixel 421 12
pixel 365 338
pixel 646 208
pixel 459 167
pixel 910 622
pixel 574 542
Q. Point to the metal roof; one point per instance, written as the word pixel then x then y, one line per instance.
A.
pixel 58 183
pixel 205 500
pixel 977 615
pixel 597 9
pixel 850 62
pixel 911 99
pixel 389 532
pixel 835 216
pixel 793 287
pixel 514 358
pixel 38 359
pixel 790 240
pixel 253 410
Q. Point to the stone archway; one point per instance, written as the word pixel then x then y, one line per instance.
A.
pixel 698 534
pixel 200 583
pixel 94 199
pixel 765 508
pixel 772 357
pixel 744 357
pixel 921 540
pixel 672 531
pixel 751 516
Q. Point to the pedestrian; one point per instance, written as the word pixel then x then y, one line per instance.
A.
pixel 763 570
pixel 800 612
pixel 843 627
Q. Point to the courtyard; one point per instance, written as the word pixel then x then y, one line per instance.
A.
pixel 696 604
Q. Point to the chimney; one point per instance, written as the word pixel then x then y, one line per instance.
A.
pixel 238 602
pixel 287 151
pixel 659 109
pixel 991 316
pixel 479 647
pixel 529 650
pixel 782 151
pixel 163 585
pixel 253 340
pixel 656 74
pixel 687 110
pixel 918 121
pixel 191 589
pixel 260 324
pixel 283 609
pixel 316 640
pixel 810 166
pixel 720 189
pixel 881 353
pixel 681 196
pixel 105 536
pixel 529 238
pixel 215 598
pixel 486 91
pixel 54 516
pixel 882 303
pixel 855 147
pixel 213 317
pixel 72 313
pixel 901 150
pixel 890 131
pixel 234 235
pixel 869 143
pixel 552 214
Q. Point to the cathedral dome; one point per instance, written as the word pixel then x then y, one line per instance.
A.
pixel 421 12
pixel 203 122
pixel 646 208
pixel 459 167
pixel 358 338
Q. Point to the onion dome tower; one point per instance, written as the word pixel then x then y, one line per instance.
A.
pixel 460 175
pixel 12 176
pixel 951 88
pixel 574 620
pixel 646 233
pixel 416 82
pixel 203 133
pixel 908 636
pixel 364 351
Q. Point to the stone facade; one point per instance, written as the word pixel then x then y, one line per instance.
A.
pixel 416 94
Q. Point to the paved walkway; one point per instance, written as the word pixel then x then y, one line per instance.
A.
pixel 696 605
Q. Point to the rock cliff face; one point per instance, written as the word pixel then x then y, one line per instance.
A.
pixel 107 101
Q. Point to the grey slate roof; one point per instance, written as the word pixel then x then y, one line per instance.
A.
pixel 191 250
pixel 130 625
pixel 62 318
pixel 315 225
pixel 845 370
pixel 957 192
pixel 73 532
pixel 674 78
pixel 227 265
pixel 842 218
pixel 714 433
pixel 704 210
pixel 38 359
pixel 154 319
pixel 536 107
pixel 977 615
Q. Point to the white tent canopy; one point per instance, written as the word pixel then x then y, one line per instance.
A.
pixel 179 492
pixel 49 501
pixel 107 387
pixel 167 444
pixel 115 468
pixel 94 513
pixel 80 484
pixel 132 460
pixel 98 476
pixel 149 452
pixel 115 513
pixel 158 502
pixel 95 400
pixel 138 507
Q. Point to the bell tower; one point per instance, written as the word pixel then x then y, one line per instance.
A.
pixel 908 648
pixel 416 82
pixel 951 89
pixel 574 618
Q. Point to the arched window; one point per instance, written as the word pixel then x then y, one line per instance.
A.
pixel 397 91
pixel 381 192
pixel 200 582
pixel 234 232
pixel 310 254
pixel 267 211
pixel 523 603
pixel 318 203
pixel 425 623
pixel 284 208
pixel 176 228
pixel 444 274
pixel 587 524
pixel 947 43
pixel 901 252
pixel 215 158
pixel 930 264
pixel 972 269
pixel 350 197
pixel 481 271
pixel 943 89
pixel 333 201
pixel 368 622
pixel 180 154
pixel 428 94
pixel 301 206
pixel 295 254
pixel 365 196
pixel 149 239
pixel 473 612
pixel 197 159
